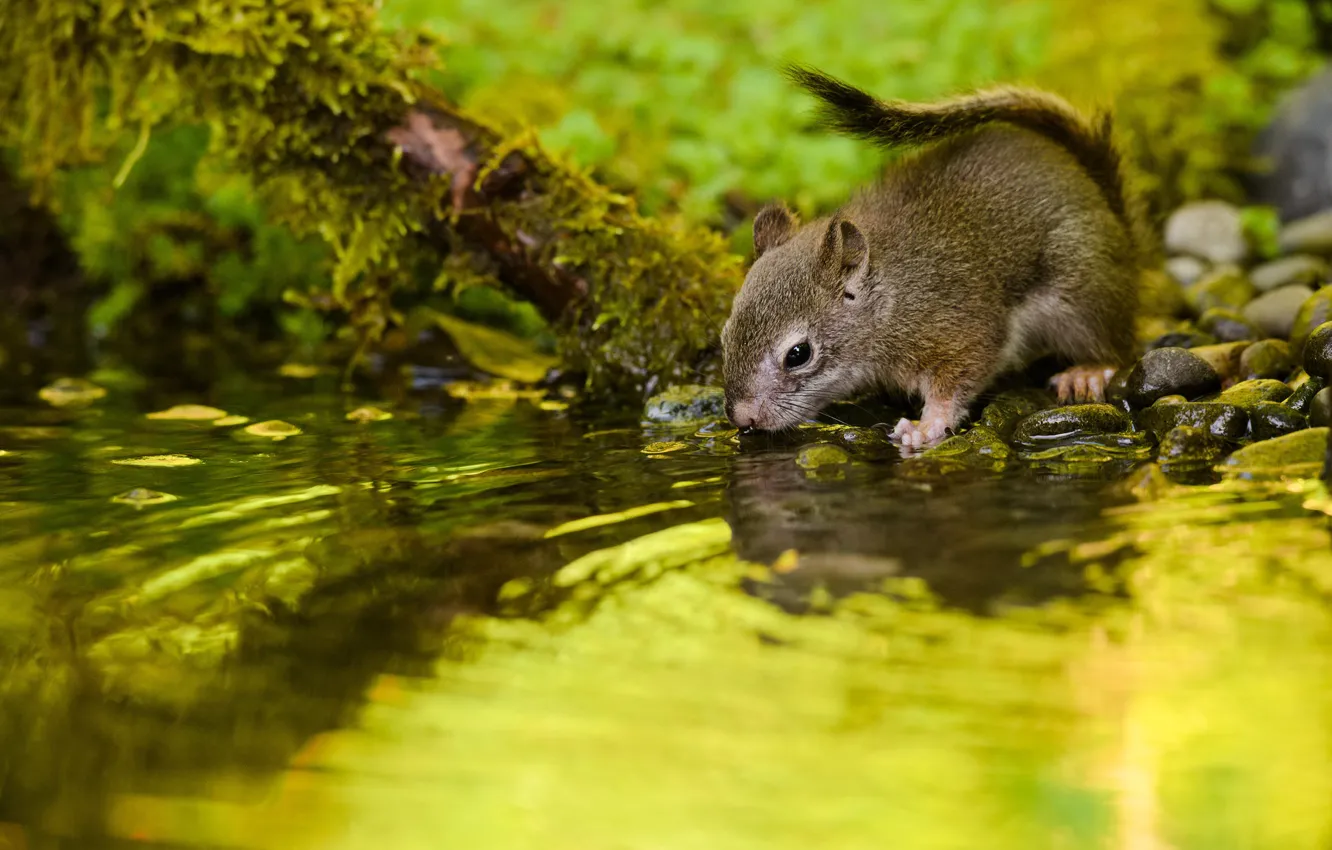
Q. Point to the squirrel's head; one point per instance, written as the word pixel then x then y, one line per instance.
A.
pixel 794 340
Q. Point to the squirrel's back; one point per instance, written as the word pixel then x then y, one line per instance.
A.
pixel 854 112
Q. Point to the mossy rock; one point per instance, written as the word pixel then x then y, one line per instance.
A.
pixel 1062 425
pixel 1228 421
pixel 686 403
pixel 1298 455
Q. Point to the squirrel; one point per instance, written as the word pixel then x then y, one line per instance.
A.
pixel 1011 237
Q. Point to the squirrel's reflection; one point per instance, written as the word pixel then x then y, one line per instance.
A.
pixel 964 533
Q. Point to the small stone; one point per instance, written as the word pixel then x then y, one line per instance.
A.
pixel 188 413
pixel 1116 391
pixel 1228 325
pixel 664 447
pixel 158 461
pixel 1182 339
pixel 1069 423
pixel 1268 358
pixel 987 442
pixel 1297 455
pixel 1185 270
pixel 1274 312
pixel 1186 444
pixel 686 403
pixel 71 392
pixel 1004 413
pixel 1297 270
pixel 1169 371
pixel 141 497
pixel 1211 230
pixel 364 415
pixel 230 421
pixel 1302 398
pixel 1228 421
pixel 273 429
pixel 1318 351
pixel 1269 419
pixel 1224 287
pixel 1320 409
pixel 1224 357
pixel 1316 310
pixel 821 454
pixel 1169 399
pixel 1308 235
pixel 1246 394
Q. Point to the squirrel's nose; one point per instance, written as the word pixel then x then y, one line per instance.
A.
pixel 741 414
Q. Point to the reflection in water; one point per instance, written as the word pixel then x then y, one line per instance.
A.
pixel 486 623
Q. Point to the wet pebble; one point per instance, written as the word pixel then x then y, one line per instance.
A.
pixel 1182 339
pixel 686 403
pixel 1224 357
pixel 1169 371
pixel 1211 230
pixel 1316 310
pixel 1308 235
pixel 1295 455
pixel 1228 421
pixel 1246 394
pixel 1268 358
pixel 1320 409
pixel 1228 325
pixel 1305 388
pixel 1300 269
pixel 1003 414
pixel 1187 444
pixel 1268 420
pixel 1318 351
pixel 1223 287
pixel 1069 423
pixel 1274 312
pixel 1185 270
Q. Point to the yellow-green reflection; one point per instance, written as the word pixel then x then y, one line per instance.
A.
pixel 663 706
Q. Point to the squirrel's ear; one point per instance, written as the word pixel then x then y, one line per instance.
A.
pixel 772 226
pixel 854 249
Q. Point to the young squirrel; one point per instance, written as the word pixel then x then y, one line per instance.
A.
pixel 1010 239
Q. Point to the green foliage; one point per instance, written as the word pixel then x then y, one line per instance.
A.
pixel 683 100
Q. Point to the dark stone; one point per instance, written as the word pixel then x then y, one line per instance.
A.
pixel 1309 235
pixel 1246 394
pixel 1274 312
pixel 1269 419
pixel 1116 391
pixel 1182 339
pixel 1059 424
pixel 1228 325
pixel 1229 421
pixel 1318 351
pixel 1169 371
pixel 1300 269
pixel 1268 358
pixel 1320 409
pixel 1302 398
pixel 1211 230
pixel 1313 312
pixel 687 403
pixel 1297 146
pixel 1224 287
pixel 1189 444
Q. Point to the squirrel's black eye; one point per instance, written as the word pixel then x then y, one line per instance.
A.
pixel 798 356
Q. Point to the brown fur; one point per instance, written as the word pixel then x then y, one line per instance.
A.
pixel 992 247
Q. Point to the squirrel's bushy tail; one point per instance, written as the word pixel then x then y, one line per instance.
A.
pixel 849 110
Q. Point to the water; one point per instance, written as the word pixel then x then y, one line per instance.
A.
pixel 494 623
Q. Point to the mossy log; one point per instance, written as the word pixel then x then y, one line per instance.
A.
pixel 332 119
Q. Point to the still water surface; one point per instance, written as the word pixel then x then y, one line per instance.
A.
pixel 496 623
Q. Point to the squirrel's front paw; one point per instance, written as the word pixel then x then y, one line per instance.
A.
pixel 920 435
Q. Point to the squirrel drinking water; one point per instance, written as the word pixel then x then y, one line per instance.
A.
pixel 1010 238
